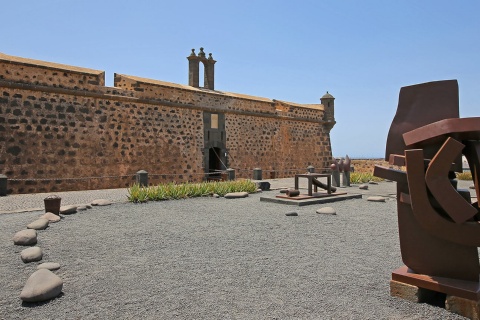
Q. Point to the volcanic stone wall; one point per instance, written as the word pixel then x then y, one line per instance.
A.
pixel 62 129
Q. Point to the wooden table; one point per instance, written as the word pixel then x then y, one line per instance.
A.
pixel 310 177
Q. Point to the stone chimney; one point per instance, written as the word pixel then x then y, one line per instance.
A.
pixel 193 70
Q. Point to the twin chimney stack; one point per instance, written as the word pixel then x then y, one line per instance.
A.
pixel 193 69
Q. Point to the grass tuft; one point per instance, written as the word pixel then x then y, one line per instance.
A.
pixel 467 175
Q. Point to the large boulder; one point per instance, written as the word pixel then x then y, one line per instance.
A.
pixel 25 237
pixel 42 285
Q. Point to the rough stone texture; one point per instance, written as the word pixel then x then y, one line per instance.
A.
pixel 68 209
pixel 31 254
pixel 363 187
pixel 376 199
pixel 42 285
pixel 101 202
pixel 61 122
pixel 82 208
pixel 25 237
pixel 327 210
pixel 39 224
pixel 467 308
pixel 404 291
pixel 49 266
pixel 51 217
pixel 235 195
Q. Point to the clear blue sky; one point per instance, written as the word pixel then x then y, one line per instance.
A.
pixel 362 52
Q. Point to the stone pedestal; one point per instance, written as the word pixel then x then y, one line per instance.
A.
pixel 467 308
pixel 457 296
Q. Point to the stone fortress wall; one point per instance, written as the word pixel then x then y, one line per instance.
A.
pixel 62 129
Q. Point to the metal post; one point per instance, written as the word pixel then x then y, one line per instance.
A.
pixel 142 178
pixel 335 178
pixel 257 174
pixel 230 174
pixel 311 169
pixel 3 185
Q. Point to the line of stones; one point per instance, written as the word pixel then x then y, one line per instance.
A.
pixel 43 284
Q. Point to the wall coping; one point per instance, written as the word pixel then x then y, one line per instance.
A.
pixel 49 65
pixel 217 92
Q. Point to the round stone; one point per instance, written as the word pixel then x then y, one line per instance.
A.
pixel 327 210
pixel 39 224
pixel 363 187
pixel 372 182
pixel 51 217
pixel 31 254
pixel 235 195
pixel 68 209
pixel 25 237
pixel 376 199
pixel 101 202
pixel 49 266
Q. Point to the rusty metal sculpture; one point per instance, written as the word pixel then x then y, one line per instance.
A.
pixel 438 228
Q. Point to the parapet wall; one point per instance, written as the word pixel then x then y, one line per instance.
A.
pixel 62 129
pixel 49 74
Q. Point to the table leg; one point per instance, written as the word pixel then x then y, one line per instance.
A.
pixel 309 186
pixel 296 183
pixel 329 184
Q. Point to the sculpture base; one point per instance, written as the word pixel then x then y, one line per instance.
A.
pixel 314 195
pixel 457 296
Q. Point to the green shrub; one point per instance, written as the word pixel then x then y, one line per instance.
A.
pixel 363 177
pixel 173 191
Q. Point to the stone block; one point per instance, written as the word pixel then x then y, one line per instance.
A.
pixel 464 307
pixel 404 291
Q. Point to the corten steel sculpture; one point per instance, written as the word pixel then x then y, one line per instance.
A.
pixel 438 227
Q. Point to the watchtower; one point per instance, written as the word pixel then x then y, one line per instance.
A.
pixel 328 102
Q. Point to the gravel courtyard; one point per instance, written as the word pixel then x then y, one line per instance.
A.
pixel 210 258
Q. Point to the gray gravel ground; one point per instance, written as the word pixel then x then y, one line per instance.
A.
pixel 210 258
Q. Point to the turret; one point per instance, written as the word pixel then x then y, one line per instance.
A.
pixel 328 102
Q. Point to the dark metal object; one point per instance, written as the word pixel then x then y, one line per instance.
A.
pixel 438 232
pixel 3 185
pixel 52 204
pixel 420 105
pixel 292 193
pixel 312 176
pixel 142 178
pixel 257 174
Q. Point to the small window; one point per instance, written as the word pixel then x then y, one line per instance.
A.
pixel 214 120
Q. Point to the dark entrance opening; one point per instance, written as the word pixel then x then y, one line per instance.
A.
pixel 214 164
